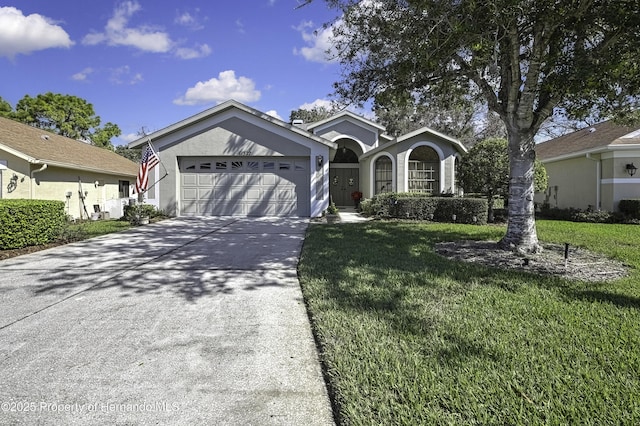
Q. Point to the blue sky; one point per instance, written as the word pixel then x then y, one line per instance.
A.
pixel 144 63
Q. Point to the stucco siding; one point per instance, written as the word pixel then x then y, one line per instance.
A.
pixel 572 183
pixel 20 168
pixel 54 183
pixel 348 129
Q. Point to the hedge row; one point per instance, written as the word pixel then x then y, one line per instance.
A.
pixel 630 207
pixel 30 222
pixel 589 216
pixel 419 206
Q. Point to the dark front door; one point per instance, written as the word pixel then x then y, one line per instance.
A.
pixel 343 182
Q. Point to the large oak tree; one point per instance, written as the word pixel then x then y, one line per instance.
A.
pixel 527 58
pixel 66 115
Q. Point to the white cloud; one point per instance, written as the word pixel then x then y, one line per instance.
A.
pixel 129 137
pixel 240 26
pixel 319 103
pixel 273 113
pixel 319 47
pixel 123 75
pixel 220 89
pixel 193 53
pixel 82 75
pixel 193 21
pixel 21 34
pixel 117 32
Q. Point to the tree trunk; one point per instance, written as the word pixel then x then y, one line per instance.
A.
pixel 521 233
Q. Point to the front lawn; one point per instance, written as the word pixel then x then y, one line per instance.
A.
pixel 409 337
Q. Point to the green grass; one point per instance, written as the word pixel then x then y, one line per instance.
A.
pixel 89 229
pixel 409 337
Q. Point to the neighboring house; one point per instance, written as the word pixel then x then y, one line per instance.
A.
pixel 36 164
pixel 232 160
pixel 591 168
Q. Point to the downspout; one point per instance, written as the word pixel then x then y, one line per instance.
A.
pixel 598 178
pixel 41 169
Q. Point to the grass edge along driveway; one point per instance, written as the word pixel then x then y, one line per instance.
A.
pixel 409 337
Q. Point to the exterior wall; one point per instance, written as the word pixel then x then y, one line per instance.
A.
pixel 579 182
pixel 54 183
pixel 572 183
pixel 348 130
pixel 20 168
pixel 616 182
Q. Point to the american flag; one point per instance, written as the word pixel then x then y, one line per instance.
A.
pixel 148 161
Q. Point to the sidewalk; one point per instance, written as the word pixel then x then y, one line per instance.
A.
pixel 350 215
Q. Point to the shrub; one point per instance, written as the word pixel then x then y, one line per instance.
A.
pixel 30 222
pixel 418 206
pixel 134 212
pixel 630 207
pixel 589 216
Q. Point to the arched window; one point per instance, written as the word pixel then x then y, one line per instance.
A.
pixel 384 175
pixel 345 155
pixel 424 170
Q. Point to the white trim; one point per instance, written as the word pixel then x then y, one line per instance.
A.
pixel 434 133
pixel 634 134
pixel 613 150
pixel 346 116
pixel 437 149
pixel 620 181
pixel 598 162
pixel 211 117
pixel 456 157
pixel 362 146
pixel 372 172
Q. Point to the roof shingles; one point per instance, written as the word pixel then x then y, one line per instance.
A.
pixel 45 147
pixel 585 140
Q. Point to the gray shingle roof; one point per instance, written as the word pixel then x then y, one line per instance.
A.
pixel 590 139
pixel 40 146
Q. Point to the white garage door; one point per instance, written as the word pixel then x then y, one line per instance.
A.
pixel 244 186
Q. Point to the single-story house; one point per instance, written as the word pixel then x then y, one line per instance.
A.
pixel 233 160
pixel 592 168
pixel 36 164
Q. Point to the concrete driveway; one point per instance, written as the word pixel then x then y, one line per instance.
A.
pixel 187 321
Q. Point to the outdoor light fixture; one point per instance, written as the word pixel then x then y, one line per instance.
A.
pixel 319 161
pixel 631 169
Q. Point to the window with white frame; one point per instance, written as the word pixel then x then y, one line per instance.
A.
pixel 424 170
pixel 383 175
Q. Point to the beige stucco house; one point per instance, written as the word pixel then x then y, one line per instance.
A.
pixel 235 160
pixel 592 168
pixel 36 164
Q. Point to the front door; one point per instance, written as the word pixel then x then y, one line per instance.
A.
pixel 342 183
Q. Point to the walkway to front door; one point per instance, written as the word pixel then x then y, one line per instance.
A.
pixel 343 182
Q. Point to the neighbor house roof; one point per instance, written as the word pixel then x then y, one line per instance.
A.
pixel 597 138
pixel 38 146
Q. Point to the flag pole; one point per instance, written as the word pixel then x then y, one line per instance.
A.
pixel 166 173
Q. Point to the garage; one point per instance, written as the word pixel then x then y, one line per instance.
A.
pixel 244 186
pixel 233 160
